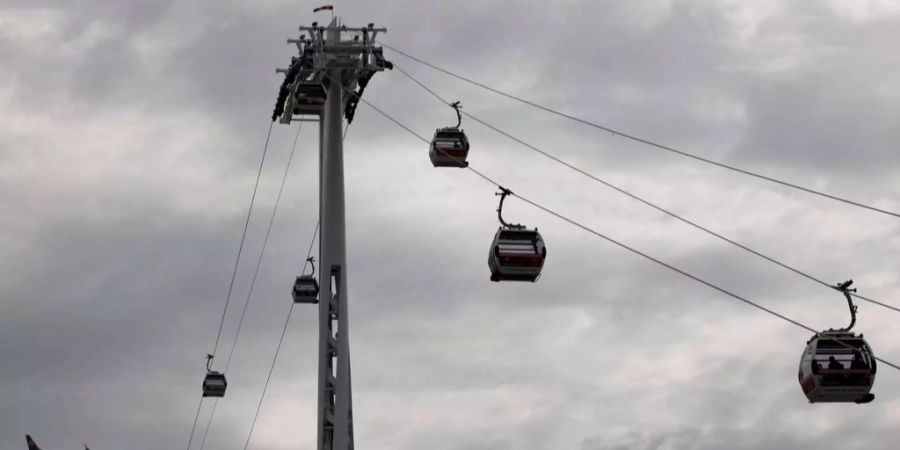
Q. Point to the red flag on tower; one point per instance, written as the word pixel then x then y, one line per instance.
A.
pixel 324 8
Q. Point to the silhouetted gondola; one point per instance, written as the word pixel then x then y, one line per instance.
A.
pixel 450 146
pixel 306 288
pixel 214 383
pixel 838 365
pixel 517 253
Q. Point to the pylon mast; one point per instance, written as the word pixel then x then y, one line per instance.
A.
pixel 324 83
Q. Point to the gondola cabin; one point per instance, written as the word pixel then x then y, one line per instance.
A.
pixel 449 148
pixel 837 366
pixel 310 99
pixel 306 289
pixel 516 255
pixel 214 384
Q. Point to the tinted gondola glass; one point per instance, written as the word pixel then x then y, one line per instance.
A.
pixel 214 384
pixel 837 366
pixel 516 255
pixel 310 98
pixel 306 289
pixel 449 148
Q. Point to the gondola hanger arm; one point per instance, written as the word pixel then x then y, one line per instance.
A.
pixel 457 106
pixel 845 289
pixel 504 192
pixel 312 263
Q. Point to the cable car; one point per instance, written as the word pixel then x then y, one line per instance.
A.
pixel 517 253
pixel 838 365
pixel 310 98
pixel 449 145
pixel 449 148
pixel 306 288
pixel 214 383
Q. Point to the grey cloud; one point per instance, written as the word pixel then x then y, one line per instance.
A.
pixel 128 162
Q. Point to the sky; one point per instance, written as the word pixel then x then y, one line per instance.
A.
pixel 132 132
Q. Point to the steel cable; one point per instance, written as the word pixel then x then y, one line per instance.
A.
pixel 638 198
pixel 622 245
pixel 645 141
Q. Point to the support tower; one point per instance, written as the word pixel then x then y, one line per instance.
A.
pixel 323 84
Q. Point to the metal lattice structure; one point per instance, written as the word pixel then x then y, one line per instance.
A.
pixel 333 60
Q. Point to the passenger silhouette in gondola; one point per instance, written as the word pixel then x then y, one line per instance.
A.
pixel 833 378
pixel 833 364
pixel 857 362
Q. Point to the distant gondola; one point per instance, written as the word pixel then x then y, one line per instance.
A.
pixel 449 145
pixel 214 383
pixel 306 288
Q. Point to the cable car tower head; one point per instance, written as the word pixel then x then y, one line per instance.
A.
pixel 303 92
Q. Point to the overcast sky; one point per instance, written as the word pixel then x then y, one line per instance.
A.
pixel 129 141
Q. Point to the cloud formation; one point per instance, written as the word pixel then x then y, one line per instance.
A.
pixel 130 140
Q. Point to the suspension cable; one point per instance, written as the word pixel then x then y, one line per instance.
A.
pixel 255 274
pixel 624 246
pixel 284 329
pixel 194 426
pixel 262 251
pixel 243 237
pixel 234 270
pixel 280 340
pixel 638 198
pixel 208 423
pixel 409 130
pixel 644 140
